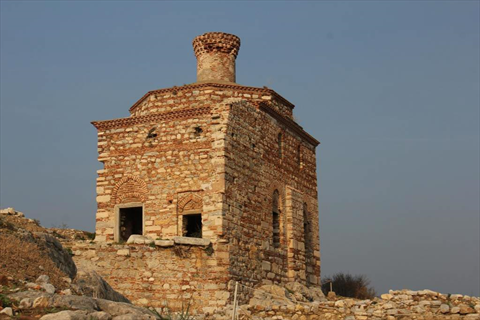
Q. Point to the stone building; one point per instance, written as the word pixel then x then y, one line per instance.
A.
pixel 213 160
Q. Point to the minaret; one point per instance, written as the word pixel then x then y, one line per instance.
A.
pixel 216 53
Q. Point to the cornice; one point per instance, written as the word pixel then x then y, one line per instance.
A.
pixel 172 115
pixel 292 125
pixel 207 85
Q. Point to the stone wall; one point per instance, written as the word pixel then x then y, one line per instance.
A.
pixel 156 276
pixel 264 156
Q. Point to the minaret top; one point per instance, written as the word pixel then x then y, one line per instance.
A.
pixel 216 53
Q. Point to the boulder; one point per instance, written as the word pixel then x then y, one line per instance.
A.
pixel 270 295
pixel 56 252
pixel 305 294
pixel 75 302
pixel 100 315
pixel 120 308
pixel 91 284
pixel 66 315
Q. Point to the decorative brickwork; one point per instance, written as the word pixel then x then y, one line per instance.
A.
pixel 190 201
pixel 129 189
pixel 215 154
pixel 216 42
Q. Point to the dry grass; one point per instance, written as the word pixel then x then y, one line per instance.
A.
pixel 25 260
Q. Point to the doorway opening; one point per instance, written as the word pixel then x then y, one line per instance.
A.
pixel 131 222
pixel 192 225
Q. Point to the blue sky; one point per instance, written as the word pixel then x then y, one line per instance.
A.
pixel 391 89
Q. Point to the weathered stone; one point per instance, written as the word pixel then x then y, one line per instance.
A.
pixel 455 310
pixel 121 308
pixel 7 211
pixel 464 309
pixel 138 239
pixel 444 308
pixel 164 243
pixel 8 311
pixel 91 284
pixel 48 288
pixel 75 302
pixel 123 252
pixel 191 241
pixel 41 302
pixel 99 315
pixel 43 279
pixel 60 256
pixel 25 303
pixel 66 315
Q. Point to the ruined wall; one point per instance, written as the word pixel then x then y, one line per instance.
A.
pixel 159 277
pixel 255 168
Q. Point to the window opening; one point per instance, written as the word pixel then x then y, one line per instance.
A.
pixel 131 222
pixel 307 233
pixel 276 220
pixel 192 225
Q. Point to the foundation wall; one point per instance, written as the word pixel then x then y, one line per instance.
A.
pixel 158 277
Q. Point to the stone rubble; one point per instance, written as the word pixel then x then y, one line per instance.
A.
pixel 273 302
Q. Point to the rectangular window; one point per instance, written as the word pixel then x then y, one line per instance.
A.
pixel 192 225
pixel 131 222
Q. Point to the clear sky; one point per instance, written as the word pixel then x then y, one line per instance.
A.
pixel 391 89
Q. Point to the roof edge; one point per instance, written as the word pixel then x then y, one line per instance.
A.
pixel 214 85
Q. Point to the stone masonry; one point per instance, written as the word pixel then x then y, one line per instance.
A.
pixel 213 160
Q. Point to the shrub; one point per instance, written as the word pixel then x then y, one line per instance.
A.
pixel 347 285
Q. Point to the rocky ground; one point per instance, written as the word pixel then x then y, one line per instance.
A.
pixel 39 280
pixel 273 302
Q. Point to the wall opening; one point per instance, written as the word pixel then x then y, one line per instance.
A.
pixel 280 145
pixel 131 222
pixel 308 241
pixel 276 219
pixel 192 225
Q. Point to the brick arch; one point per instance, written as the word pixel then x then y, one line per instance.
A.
pixel 189 202
pixel 129 189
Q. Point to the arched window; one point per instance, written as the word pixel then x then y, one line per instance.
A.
pixel 279 142
pixel 276 219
